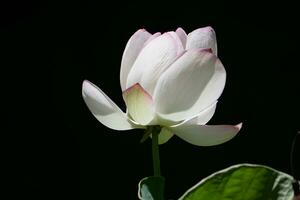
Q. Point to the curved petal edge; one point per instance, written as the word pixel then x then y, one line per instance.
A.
pixel 204 135
pixel 139 104
pixel 104 109
pixel 133 47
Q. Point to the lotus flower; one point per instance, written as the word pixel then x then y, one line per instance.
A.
pixel 172 80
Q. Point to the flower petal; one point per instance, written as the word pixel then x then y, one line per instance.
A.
pixel 104 109
pixel 193 83
pixel 202 38
pixel 203 117
pixel 154 59
pixel 139 104
pixel 182 35
pixel 203 135
pixel 155 35
pixel 132 50
pixel 165 135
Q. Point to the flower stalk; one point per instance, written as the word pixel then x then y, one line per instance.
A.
pixel 155 150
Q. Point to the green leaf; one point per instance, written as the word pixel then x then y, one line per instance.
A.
pixel 243 182
pixel 152 188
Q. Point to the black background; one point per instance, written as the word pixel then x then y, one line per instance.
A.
pixel 58 150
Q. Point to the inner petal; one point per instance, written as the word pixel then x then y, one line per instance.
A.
pixel 139 104
pixel 153 60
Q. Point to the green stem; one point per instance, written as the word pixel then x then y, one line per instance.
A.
pixel 155 151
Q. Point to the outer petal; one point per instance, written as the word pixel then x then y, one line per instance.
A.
pixel 203 135
pixel 202 38
pixel 203 117
pixel 154 59
pixel 132 50
pixel 193 83
pixel 182 35
pixel 139 104
pixel 104 109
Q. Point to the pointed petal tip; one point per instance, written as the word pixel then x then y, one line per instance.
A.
pixel 207 28
pixel 142 30
pixel 180 29
pixel 138 87
pixel 88 87
pixel 85 86
pixel 157 34
pixel 203 29
pixel 239 126
pixel 182 35
pixel 84 81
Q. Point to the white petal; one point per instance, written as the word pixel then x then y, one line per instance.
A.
pixel 139 104
pixel 132 50
pixel 202 38
pixel 193 83
pixel 155 35
pixel 104 109
pixel 165 135
pixel 203 135
pixel 203 117
pixel 154 59
pixel 182 35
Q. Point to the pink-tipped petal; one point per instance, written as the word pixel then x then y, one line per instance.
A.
pixel 193 83
pixel 132 50
pixel 153 60
pixel 155 35
pixel 202 38
pixel 139 104
pixel 104 109
pixel 203 135
pixel 182 35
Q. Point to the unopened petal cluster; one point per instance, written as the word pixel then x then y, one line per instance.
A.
pixel 172 80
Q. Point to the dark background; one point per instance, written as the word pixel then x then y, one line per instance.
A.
pixel 58 150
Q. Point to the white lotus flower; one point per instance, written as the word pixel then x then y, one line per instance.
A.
pixel 172 80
